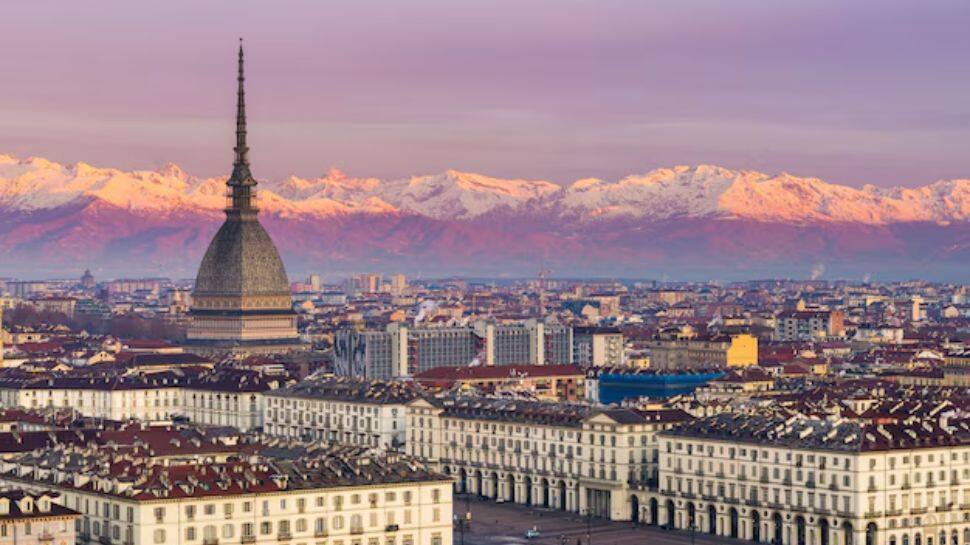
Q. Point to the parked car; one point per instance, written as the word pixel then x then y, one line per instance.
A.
pixel 532 534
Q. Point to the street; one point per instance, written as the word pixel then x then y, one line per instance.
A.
pixel 506 524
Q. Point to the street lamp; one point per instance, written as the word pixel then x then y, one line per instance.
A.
pixel 461 522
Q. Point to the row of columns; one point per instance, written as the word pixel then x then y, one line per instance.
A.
pixel 657 511
pixel 519 489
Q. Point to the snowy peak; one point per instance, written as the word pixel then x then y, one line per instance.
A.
pixel 659 194
pixel 701 191
pixel 462 195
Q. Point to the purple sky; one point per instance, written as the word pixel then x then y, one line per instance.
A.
pixel 862 91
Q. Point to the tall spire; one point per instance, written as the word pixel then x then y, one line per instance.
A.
pixel 242 195
pixel 241 149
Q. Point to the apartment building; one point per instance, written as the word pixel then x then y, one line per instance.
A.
pixel 736 350
pixel 809 325
pixel 226 397
pixel 35 519
pixel 279 492
pixel 800 480
pixel 572 457
pixel 401 350
pixel 598 346
pixel 342 410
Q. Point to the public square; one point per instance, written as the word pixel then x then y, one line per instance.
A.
pixel 506 524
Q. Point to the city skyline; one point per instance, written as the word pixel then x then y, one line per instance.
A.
pixel 853 94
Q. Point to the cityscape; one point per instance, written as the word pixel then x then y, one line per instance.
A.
pixel 696 355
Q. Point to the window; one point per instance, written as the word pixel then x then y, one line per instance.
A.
pixel 159 536
pixel 190 533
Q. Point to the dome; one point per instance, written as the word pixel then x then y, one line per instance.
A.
pixel 242 261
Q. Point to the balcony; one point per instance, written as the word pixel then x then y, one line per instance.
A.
pixel 247 539
pixel 944 508
pixel 45 536
pixel 918 510
pixel 873 514
pixel 284 536
pixel 894 512
pixel 356 530
pixel 391 528
pixel 321 533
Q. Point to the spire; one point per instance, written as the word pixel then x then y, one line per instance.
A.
pixel 242 196
pixel 241 149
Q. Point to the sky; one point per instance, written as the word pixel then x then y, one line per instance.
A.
pixel 854 92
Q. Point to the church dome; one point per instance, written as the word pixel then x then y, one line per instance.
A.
pixel 242 261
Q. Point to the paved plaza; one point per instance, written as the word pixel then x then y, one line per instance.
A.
pixel 506 524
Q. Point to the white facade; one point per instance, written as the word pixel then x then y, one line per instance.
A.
pixel 589 462
pixel 803 495
pixel 338 421
pixel 379 514
pixel 243 410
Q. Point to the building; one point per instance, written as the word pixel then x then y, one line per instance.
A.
pixel 87 280
pixel 35 519
pixel 549 382
pixel 58 305
pixel 242 302
pixel 577 458
pixel 226 397
pixel 229 397
pixel 737 350
pixel 341 410
pixel 365 283
pixel 401 350
pixel 282 492
pixel 598 346
pixel 809 325
pixel 798 480
pixel 399 284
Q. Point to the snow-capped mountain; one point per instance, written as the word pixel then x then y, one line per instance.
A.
pixel 701 191
pixel 462 221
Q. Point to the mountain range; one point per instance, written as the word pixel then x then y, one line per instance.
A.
pixel 690 222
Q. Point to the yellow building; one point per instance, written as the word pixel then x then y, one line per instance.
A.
pixel 737 350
